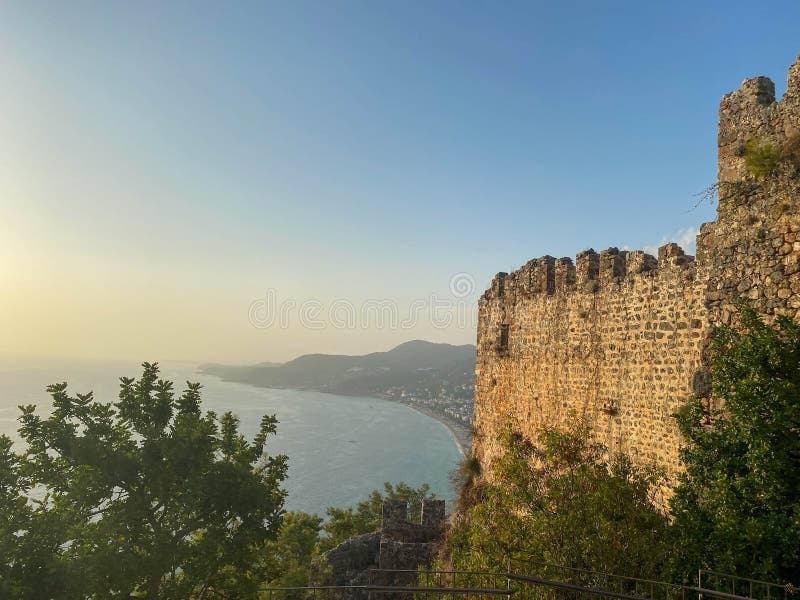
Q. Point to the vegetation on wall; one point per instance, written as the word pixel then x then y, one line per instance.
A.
pixel 561 501
pixel 737 508
pixel 760 158
pixel 737 191
pixel 464 479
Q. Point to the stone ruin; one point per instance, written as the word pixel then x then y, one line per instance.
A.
pixel 399 545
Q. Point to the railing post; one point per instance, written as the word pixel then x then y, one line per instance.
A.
pixel 699 582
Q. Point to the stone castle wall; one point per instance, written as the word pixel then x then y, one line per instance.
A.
pixel 620 337
pixel 603 338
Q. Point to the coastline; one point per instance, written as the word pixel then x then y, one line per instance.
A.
pixel 459 432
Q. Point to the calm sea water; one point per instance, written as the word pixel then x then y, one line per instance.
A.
pixel 340 448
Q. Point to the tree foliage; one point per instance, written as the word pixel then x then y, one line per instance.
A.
pixel 29 539
pixel 737 507
pixel 147 496
pixel 562 501
pixel 290 554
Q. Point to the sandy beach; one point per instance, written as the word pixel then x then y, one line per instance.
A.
pixel 460 431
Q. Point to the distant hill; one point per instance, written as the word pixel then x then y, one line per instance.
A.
pixel 418 368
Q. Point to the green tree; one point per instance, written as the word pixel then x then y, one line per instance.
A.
pixel 31 536
pixel 737 506
pixel 561 501
pixel 15 516
pixel 344 523
pixel 146 496
pixel 289 556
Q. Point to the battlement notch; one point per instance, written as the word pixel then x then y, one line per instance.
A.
pixel 638 261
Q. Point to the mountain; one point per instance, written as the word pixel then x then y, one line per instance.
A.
pixel 417 368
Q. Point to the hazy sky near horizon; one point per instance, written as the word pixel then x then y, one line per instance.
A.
pixel 251 181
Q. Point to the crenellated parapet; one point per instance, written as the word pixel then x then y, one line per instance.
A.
pixel 396 525
pixel 590 273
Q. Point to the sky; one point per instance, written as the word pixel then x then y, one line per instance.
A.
pixel 246 182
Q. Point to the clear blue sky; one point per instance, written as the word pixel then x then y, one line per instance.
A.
pixel 163 164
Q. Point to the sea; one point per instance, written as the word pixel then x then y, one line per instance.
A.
pixel 340 448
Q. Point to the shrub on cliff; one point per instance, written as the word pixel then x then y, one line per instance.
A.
pixel 146 497
pixel 465 482
pixel 561 501
pixel 760 158
pixel 737 508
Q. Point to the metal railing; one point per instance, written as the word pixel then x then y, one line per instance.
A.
pixel 534 587
pixel 320 592
pixel 574 591
pixel 647 589
pixel 745 586
pixel 574 584
pixel 464 580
